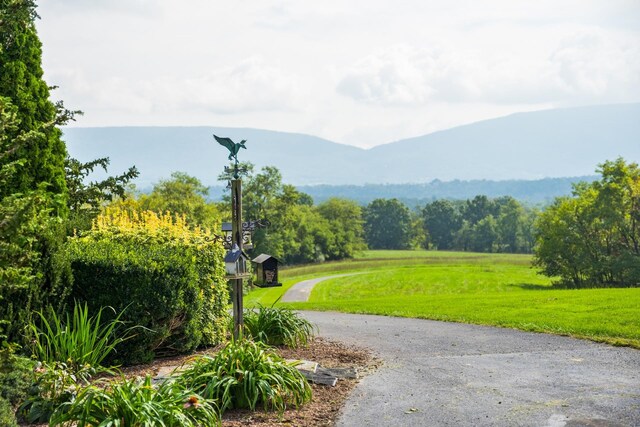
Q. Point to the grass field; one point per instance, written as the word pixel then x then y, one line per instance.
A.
pixel 490 289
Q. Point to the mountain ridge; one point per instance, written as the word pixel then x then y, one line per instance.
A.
pixel 531 145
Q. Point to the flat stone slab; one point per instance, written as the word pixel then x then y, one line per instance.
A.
pixel 305 365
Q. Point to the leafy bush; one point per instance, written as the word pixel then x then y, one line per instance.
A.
pixel 169 277
pixel 7 417
pixel 55 384
pixel 16 375
pixel 79 341
pixel 137 403
pixel 244 374
pixel 278 326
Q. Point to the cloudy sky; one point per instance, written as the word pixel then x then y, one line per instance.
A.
pixel 358 72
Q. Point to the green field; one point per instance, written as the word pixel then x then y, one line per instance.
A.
pixel 490 289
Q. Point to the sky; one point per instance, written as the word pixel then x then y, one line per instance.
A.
pixel 357 72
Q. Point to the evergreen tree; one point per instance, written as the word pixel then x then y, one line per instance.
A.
pixel 22 83
pixel 34 271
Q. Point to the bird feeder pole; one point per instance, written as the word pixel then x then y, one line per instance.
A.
pixel 236 230
pixel 236 224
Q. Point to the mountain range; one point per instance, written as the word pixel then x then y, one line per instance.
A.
pixel 523 146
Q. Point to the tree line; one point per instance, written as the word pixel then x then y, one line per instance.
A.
pixel 337 228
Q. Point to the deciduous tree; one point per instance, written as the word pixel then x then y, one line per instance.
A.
pixel 387 224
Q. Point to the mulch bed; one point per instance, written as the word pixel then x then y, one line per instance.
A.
pixel 325 406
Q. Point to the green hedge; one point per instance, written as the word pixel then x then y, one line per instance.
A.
pixel 174 287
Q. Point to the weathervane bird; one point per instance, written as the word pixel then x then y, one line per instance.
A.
pixel 233 147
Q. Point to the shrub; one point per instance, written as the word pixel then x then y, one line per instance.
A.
pixel 55 384
pixel 16 375
pixel 278 326
pixel 79 341
pixel 7 416
pixel 169 277
pixel 137 403
pixel 244 374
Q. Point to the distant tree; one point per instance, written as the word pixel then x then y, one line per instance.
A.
pixel 511 226
pixel 298 233
pixel 345 221
pixel 441 221
pixel 21 81
pixel 387 224
pixel 183 195
pixel 593 238
pixel 477 209
pixel 86 199
pixel 484 235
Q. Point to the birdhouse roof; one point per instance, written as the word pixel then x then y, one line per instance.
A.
pixel 262 258
pixel 234 254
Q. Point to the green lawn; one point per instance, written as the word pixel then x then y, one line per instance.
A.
pixel 490 289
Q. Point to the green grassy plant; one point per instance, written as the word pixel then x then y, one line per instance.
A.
pixel 79 340
pixel 277 326
pixel 129 403
pixel 245 374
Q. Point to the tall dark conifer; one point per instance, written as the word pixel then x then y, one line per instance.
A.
pixel 21 81
pixel 34 270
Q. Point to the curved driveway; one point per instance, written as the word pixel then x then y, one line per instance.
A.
pixel 451 374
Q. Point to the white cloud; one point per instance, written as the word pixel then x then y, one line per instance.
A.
pixel 591 66
pixel 588 67
pixel 249 86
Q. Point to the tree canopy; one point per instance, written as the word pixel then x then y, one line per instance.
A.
pixel 593 237
pixel 387 224
pixel 21 80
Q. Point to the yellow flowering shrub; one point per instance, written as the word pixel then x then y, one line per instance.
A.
pixel 165 275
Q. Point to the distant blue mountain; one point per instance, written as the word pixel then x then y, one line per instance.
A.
pixel 524 146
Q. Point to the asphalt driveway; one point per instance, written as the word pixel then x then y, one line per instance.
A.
pixel 451 374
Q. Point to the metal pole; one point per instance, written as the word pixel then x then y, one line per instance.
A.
pixel 236 229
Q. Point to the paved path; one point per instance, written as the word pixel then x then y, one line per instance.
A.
pixel 300 291
pixel 451 374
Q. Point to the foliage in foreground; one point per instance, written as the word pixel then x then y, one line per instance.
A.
pixel 7 417
pixel 169 277
pixel 245 374
pixel 78 341
pixel 277 326
pixel 55 383
pixel 593 238
pixel 34 270
pixel 16 376
pixel 137 403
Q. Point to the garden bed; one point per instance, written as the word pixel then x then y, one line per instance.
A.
pixel 327 401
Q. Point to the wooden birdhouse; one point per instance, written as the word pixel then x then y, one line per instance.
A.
pixel 266 271
pixel 236 263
